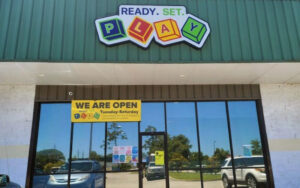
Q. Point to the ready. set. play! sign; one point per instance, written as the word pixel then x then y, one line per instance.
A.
pixel 140 24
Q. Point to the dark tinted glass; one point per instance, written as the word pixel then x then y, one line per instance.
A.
pixel 238 162
pixel 253 161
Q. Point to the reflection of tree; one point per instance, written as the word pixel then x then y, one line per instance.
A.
pixel 115 132
pixel 194 157
pixel 179 144
pixel 154 143
pixel 95 156
pixel 218 157
pixel 220 154
pixel 150 128
pixel 256 147
pixel 177 161
pixel 48 158
pixel 178 148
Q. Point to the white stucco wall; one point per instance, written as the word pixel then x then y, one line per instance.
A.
pixel 281 105
pixel 16 112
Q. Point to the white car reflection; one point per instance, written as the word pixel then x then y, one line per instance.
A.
pixel 83 175
pixel 249 171
pixel 155 171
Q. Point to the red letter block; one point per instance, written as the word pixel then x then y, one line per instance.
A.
pixel 140 30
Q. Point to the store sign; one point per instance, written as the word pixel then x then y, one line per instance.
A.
pixel 159 157
pixel 125 154
pixel 105 110
pixel 140 24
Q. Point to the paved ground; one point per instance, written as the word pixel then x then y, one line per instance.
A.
pixel 130 180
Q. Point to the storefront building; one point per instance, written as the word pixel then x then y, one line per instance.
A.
pixel 216 84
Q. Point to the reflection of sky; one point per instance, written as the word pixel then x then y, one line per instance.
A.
pixel 213 127
pixel 244 124
pixel 55 127
pixel 153 114
pixel 181 120
pixel 54 130
pixel 81 139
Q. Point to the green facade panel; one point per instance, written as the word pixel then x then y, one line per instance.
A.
pixel 64 31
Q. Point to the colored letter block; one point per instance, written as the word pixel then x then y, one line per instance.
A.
pixel 97 115
pixel 112 29
pixel 193 30
pixel 140 30
pixel 167 30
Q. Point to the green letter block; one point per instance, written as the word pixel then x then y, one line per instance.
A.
pixel 193 30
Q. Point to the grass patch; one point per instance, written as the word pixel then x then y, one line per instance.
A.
pixel 194 176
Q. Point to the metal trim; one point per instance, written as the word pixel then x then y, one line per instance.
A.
pixel 151 93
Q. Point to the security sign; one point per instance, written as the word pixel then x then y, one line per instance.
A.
pixel 105 110
pixel 140 24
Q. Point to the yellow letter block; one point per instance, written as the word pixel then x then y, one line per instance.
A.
pixel 167 30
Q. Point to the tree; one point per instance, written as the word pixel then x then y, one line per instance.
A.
pixel 179 144
pixel 194 157
pixel 150 128
pixel 177 161
pixel 95 156
pixel 115 132
pixel 46 156
pixel 153 143
pixel 256 147
pixel 220 154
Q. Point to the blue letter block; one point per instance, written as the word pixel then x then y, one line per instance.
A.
pixel 112 29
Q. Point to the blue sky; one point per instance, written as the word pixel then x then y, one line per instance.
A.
pixel 55 126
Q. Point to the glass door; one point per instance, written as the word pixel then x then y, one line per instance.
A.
pixel 153 169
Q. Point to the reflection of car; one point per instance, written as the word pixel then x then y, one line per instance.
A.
pixel 54 169
pixel 82 175
pixel 40 179
pixel 5 182
pixel 155 171
pixel 249 171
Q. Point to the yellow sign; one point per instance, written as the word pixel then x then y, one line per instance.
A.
pixel 105 110
pixel 159 157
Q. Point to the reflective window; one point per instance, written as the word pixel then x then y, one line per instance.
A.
pixel 153 117
pixel 153 161
pixel 214 140
pixel 182 144
pixel 122 146
pixel 182 135
pixel 122 179
pixel 246 143
pixel 121 140
pixel 88 147
pixel 53 144
pixel 88 155
pixel 213 132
